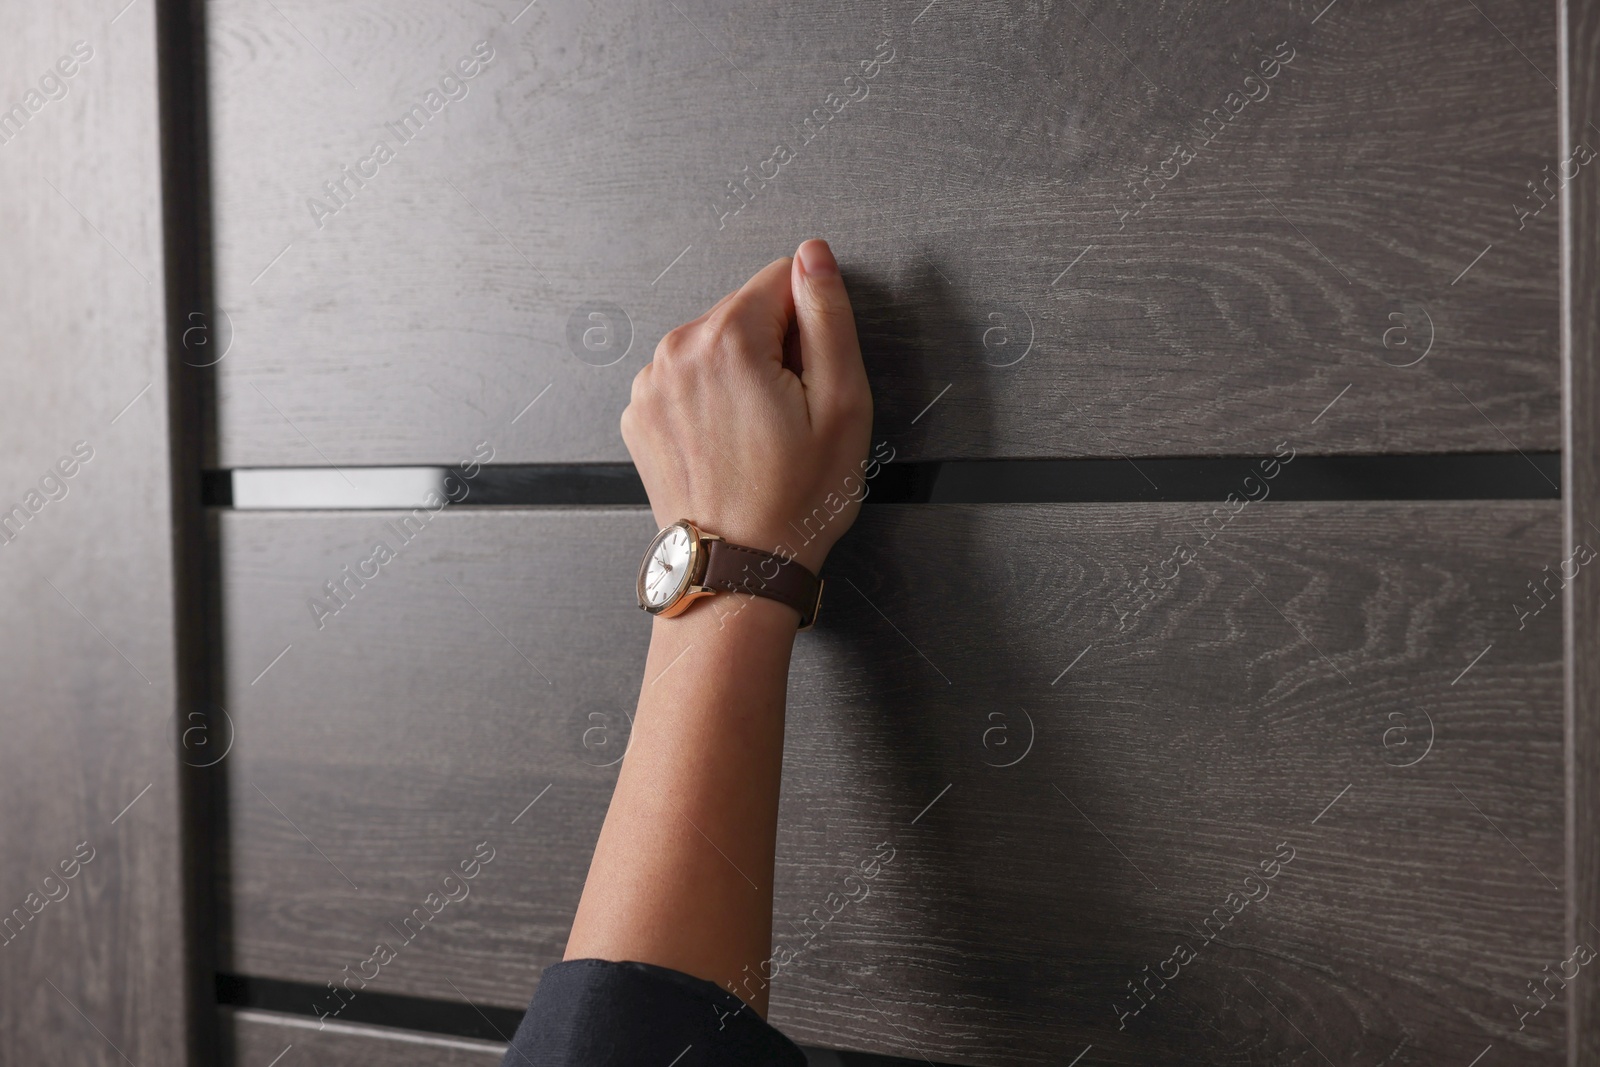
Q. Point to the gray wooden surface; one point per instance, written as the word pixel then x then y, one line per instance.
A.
pixel 259 1038
pixel 1348 678
pixel 91 958
pixel 1582 483
pixel 1360 213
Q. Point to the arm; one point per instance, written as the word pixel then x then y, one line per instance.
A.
pixel 747 420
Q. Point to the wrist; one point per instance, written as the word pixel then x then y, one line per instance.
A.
pixel 741 613
pixel 686 565
pixel 800 543
pixel 729 628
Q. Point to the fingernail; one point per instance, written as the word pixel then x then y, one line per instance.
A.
pixel 816 259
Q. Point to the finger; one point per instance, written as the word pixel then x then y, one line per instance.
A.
pixel 708 312
pixel 754 298
pixel 829 350
pixel 764 306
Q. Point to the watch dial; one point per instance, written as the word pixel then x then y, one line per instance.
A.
pixel 668 569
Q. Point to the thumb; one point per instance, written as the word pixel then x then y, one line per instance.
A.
pixel 830 354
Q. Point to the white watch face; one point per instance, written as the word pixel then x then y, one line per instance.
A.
pixel 666 570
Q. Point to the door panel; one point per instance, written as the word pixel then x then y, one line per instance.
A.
pixel 91 916
pixel 1048 804
pixel 1084 230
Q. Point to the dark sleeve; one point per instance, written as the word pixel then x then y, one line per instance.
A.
pixel 599 1013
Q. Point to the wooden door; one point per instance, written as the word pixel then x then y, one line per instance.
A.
pixel 1210 677
pixel 1078 232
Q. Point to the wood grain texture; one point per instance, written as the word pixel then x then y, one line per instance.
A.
pixel 984 191
pixel 1581 349
pixel 1271 694
pixel 89 964
pixel 256 1038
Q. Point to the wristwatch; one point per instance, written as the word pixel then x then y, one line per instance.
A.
pixel 684 563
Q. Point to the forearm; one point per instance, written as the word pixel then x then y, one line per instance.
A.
pixel 682 872
pixel 745 420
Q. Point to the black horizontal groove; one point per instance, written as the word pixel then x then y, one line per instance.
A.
pixel 1452 476
pixel 447 1018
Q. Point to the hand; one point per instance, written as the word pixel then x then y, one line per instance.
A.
pixel 753 420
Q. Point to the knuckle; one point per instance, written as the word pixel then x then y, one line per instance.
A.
pixel 676 344
pixel 725 321
pixel 856 404
pixel 834 315
pixel 642 411
pixel 732 334
pixel 638 421
pixel 641 385
pixel 851 405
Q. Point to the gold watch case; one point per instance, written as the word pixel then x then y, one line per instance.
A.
pixel 690 590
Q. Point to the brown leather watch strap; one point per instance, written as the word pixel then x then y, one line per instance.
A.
pixel 734 568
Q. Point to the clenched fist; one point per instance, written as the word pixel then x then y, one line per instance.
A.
pixel 753 420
